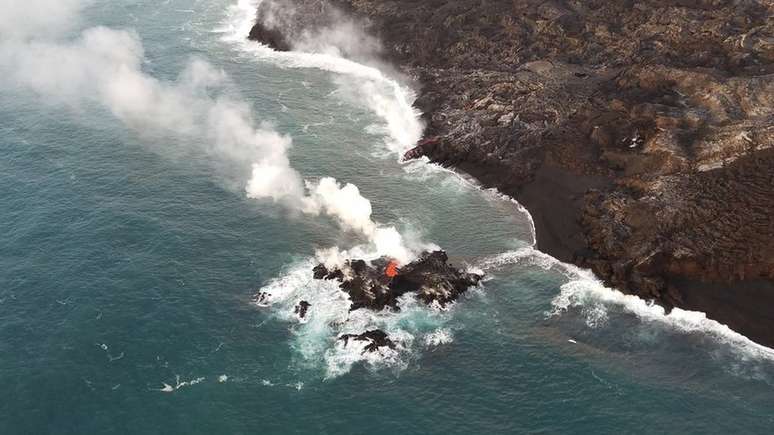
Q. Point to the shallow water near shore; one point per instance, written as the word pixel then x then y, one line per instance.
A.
pixel 129 268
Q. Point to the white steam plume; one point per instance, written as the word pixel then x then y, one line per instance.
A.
pixel 104 66
pixel 354 212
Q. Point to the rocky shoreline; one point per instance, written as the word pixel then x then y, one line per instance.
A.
pixel 640 135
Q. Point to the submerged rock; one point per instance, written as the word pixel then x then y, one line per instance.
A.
pixel 262 299
pixel 377 338
pixel 430 277
pixel 301 309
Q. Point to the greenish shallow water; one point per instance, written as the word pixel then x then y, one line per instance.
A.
pixel 125 264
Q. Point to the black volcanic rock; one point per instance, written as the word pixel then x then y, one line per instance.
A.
pixel 262 298
pixel 272 37
pixel 376 337
pixel 429 277
pixel 301 309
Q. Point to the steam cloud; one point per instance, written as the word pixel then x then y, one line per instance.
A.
pixel 104 66
pixel 321 29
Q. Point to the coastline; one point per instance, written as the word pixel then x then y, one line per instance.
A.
pixel 608 155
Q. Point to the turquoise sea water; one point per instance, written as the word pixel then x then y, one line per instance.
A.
pixel 126 264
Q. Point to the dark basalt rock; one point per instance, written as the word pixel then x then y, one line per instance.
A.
pixel 274 38
pixel 430 277
pixel 301 309
pixel 377 338
pixel 262 298
pixel 423 148
pixel 413 153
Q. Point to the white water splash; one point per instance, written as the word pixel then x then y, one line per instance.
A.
pixel 439 337
pixel 167 388
pixel 422 170
pixel 586 293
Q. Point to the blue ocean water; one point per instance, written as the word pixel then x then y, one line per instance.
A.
pixel 127 265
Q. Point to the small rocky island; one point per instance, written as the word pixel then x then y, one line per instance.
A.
pixel 639 135
pixel 379 284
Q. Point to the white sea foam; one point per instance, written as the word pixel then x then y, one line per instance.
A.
pixel 527 255
pixel 422 170
pixel 439 337
pixel 166 388
pixel 587 294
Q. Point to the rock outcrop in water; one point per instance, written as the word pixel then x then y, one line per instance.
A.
pixel 376 338
pixel 301 309
pixel 638 134
pixel 430 277
pixel 378 284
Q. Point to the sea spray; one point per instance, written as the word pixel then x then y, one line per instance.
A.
pixel 104 66
pixel 588 296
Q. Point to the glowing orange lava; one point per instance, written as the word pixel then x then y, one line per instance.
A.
pixel 392 269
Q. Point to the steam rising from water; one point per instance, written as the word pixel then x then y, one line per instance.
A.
pixel 104 66
pixel 21 20
pixel 368 85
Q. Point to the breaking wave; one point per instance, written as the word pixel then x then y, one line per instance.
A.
pixel 585 295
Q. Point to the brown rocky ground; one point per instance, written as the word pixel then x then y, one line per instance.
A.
pixel 638 134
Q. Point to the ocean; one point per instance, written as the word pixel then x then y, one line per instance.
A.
pixel 137 230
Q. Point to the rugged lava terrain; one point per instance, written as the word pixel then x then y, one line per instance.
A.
pixel 430 278
pixel 638 134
